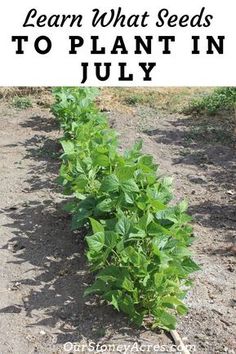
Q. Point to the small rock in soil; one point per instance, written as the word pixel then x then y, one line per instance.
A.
pixel 14 286
pixel 230 268
pixel 14 207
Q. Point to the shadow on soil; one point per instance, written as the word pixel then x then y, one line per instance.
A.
pixel 208 144
pixel 40 124
pixel 42 237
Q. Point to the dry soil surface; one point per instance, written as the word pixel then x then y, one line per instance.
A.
pixel 43 269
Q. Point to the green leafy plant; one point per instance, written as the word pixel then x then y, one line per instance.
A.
pixel 221 99
pixel 22 102
pixel 137 241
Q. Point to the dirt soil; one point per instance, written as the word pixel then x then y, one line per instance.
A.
pixel 43 268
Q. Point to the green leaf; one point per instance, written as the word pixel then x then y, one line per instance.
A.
pixel 105 206
pixel 68 146
pixel 102 149
pixel 129 198
pixel 123 226
pixel 158 279
pixel 118 277
pixel 159 242
pixel 189 265
pixel 78 166
pixel 110 184
pixel 126 284
pixel 80 183
pixel 125 173
pixel 182 309
pixel 166 320
pixel 142 202
pixel 145 279
pixel 183 206
pixel 137 318
pixel 87 203
pixel 173 300
pixel 111 273
pixel 135 151
pixel 110 223
pixel 141 205
pixel 167 182
pixel 80 217
pixel 129 186
pixel 181 252
pixel 96 242
pixel 146 160
pixel 113 297
pixel 156 229
pixel 80 196
pixel 127 305
pixel 136 236
pixel 111 239
pixel 98 287
pixel 98 259
pixel 120 246
pixel 164 259
pixel 157 205
pixel 135 258
pixel 145 221
pixel 70 207
pixel 101 160
pixel 96 226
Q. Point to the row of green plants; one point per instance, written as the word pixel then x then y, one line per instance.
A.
pixel 222 98
pixel 137 239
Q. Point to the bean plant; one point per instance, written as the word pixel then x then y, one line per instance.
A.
pixel 137 238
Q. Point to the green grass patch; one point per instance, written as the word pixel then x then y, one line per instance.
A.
pixel 22 102
pixel 219 100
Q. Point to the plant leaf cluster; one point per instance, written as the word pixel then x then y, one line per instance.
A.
pixel 222 98
pixel 137 241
